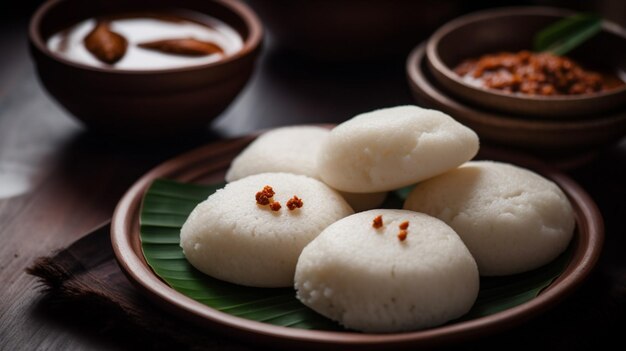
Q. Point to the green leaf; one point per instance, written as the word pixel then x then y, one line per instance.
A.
pixel 167 204
pixel 568 33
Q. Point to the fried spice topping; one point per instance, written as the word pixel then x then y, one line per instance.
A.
pixel 294 202
pixel 402 234
pixel 264 197
pixel 275 206
pixel 377 222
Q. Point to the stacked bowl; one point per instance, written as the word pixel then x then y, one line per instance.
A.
pixel 566 127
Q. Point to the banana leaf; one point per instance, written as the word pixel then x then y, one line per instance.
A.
pixel 166 206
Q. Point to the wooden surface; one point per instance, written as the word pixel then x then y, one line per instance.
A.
pixel 57 181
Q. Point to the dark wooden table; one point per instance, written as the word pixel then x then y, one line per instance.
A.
pixel 57 181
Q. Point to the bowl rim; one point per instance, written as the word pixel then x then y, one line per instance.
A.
pixel 250 44
pixel 416 78
pixel 432 52
pixel 188 166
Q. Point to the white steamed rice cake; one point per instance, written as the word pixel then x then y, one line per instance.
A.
pixel 511 219
pixel 291 149
pixel 367 279
pixel 394 147
pixel 231 237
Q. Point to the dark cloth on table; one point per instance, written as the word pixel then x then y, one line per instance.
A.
pixel 85 279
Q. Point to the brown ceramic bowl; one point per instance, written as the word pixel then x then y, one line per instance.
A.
pixel 543 137
pixel 353 30
pixel 512 29
pixel 148 103
pixel 208 164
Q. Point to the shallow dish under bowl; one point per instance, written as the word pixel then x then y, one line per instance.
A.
pixel 208 164
pixel 512 29
pixel 543 137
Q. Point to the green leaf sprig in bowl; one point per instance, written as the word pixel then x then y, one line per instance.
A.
pixel 567 34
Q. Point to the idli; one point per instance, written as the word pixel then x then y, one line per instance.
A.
pixel 390 148
pixel 369 274
pixel 294 150
pixel 288 149
pixel 511 219
pixel 252 231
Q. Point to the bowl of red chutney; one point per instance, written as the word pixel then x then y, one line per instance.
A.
pixel 485 59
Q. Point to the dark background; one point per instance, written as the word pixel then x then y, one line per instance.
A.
pixel 58 181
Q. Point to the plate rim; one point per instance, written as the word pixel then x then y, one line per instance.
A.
pixel 141 275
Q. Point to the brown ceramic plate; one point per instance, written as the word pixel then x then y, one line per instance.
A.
pixel 208 165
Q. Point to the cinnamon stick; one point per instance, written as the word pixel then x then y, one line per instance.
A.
pixel 184 47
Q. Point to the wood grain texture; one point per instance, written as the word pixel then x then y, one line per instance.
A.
pixel 69 180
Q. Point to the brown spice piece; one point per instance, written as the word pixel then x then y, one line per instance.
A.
pixel 377 222
pixel 269 191
pixel 404 225
pixel 294 202
pixel 106 45
pixel 264 197
pixel 402 234
pixel 275 206
pixel 184 47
